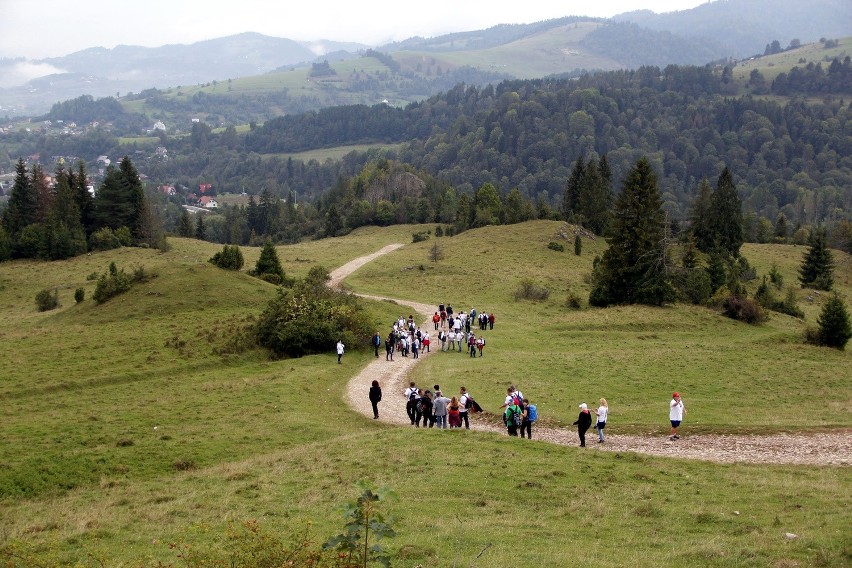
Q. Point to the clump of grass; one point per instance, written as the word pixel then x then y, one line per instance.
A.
pixel 529 290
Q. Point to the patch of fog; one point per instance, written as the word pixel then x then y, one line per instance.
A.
pixel 21 72
pixel 318 48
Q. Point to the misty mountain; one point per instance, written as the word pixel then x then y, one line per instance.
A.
pixel 744 27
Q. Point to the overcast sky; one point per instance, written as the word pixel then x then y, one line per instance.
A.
pixel 51 28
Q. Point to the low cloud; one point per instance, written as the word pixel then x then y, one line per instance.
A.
pixel 17 73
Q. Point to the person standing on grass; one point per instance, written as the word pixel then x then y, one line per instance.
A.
pixel 676 412
pixel 454 413
pixel 376 341
pixel 491 320
pixel 601 413
pixel 463 403
pixel 584 420
pixel 426 408
pixel 340 348
pixel 375 397
pixel 439 409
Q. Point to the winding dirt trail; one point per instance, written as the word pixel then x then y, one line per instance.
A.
pixel 823 448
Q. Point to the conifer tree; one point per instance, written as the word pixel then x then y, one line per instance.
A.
pixel 85 201
pixel 22 207
pixel 726 215
pixel 572 190
pixel 595 199
pixel 834 327
pixel 43 193
pixel 817 266
pixel 633 269
pixel 185 224
pixel 64 233
pixel 700 217
pixel 268 263
pixel 199 227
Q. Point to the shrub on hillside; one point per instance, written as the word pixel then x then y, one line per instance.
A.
pixel 310 317
pixel 529 290
pixel 692 286
pixel 79 295
pixel 111 283
pixel 743 309
pixel 47 300
pixel 104 239
pixel 229 258
pixel 268 266
pixel 420 237
pixel 553 245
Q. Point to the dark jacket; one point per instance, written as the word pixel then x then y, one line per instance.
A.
pixel 584 420
pixel 375 394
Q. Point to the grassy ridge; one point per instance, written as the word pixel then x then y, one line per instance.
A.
pixel 83 471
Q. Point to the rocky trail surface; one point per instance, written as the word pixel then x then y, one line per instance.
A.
pixel 820 448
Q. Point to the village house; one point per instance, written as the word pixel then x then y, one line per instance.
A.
pixel 208 202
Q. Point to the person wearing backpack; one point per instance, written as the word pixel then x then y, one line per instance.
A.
pixel 512 417
pixel 426 409
pixel 530 415
pixel 410 395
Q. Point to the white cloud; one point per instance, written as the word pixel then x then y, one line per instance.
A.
pixel 21 72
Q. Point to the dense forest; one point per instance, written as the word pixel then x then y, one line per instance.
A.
pixel 522 138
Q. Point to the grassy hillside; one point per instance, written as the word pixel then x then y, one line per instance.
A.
pixel 129 426
pixel 770 66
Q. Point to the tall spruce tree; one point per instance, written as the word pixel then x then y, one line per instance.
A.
pixel 633 269
pixel 817 266
pixel 699 217
pixel 268 264
pixel 84 199
pixel 595 198
pixel 572 190
pixel 64 233
pixel 22 207
pixel 726 215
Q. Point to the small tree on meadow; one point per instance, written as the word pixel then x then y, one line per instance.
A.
pixel 834 327
pixel 818 264
pixel 578 245
pixel 268 266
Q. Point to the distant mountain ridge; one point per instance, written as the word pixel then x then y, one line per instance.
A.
pixel 710 32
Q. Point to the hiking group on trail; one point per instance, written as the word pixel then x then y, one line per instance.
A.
pixel 431 408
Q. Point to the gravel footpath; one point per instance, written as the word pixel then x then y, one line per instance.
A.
pixel 822 448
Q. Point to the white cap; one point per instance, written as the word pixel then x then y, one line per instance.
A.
pixel 583 406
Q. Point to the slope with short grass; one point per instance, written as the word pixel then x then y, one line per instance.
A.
pixel 131 425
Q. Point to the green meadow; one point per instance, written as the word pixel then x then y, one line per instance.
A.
pixel 144 422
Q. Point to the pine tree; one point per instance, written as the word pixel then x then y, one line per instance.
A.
pixel 64 233
pixel 633 269
pixel 594 199
pixel 84 199
pixel 136 196
pixel 333 222
pixel 833 322
pixel 199 227
pixel 185 224
pixel 817 266
pixel 43 193
pixel 700 217
pixel 22 207
pixel 572 190
pixel 268 264
pixel 726 215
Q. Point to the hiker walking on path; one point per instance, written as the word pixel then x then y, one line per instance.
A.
pixel 389 348
pixel 426 409
pixel 676 412
pixel 601 413
pixel 529 416
pixel 375 397
pixel 340 348
pixel 584 420
pixel 411 400
pixel 512 417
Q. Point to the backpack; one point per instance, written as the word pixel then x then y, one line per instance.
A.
pixel 513 415
pixel 412 395
pixel 517 400
pixel 468 402
pixel 532 413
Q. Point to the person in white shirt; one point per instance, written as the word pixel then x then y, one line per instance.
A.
pixel 465 396
pixel 601 413
pixel 676 412
pixel 340 347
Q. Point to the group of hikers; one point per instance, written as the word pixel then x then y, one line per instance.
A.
pixel 431 408
pixel 434 409
pixel 454 333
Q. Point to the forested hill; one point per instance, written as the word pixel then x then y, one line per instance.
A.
pixel 794 158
